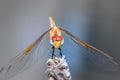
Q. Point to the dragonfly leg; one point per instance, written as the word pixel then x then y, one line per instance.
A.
pixel 53 50
pixel 60 52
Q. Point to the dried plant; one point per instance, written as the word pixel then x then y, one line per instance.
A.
pixel 58 69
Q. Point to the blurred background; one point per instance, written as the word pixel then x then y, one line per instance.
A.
pixel 94 21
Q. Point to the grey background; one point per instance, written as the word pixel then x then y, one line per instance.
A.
pixel 95 21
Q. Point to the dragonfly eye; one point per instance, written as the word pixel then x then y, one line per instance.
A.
pixel 57 38
pixel 54 38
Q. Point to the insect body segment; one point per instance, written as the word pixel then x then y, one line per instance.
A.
pixel 57 41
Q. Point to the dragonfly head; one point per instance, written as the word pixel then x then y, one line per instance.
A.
pixel 57 41
pixel 57 44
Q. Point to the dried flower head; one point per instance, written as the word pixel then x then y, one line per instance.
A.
pixel 58 69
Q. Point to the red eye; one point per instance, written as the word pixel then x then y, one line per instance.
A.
pixel 60 38
pixel 54 38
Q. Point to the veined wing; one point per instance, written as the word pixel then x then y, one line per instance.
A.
pixel 28 57
pixel 101 58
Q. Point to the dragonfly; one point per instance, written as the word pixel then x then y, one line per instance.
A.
pixel 56 39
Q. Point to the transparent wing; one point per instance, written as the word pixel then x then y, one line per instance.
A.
pixel 38 50
pixel 99 57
